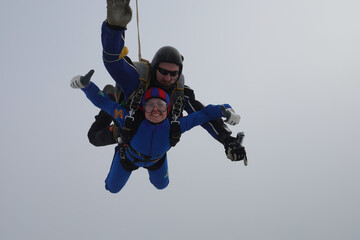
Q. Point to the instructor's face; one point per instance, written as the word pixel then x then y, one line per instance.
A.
pixel 167 73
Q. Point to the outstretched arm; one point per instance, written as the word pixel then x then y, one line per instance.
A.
pixel 216 128
pixel 206 114
pixel 119 66
pixel 97 97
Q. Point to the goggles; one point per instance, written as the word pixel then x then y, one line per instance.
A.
pixel 166 72
pixel 152 103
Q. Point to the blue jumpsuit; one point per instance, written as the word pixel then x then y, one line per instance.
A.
pixel 127 78
pixel 152 140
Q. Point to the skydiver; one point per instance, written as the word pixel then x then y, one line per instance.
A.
pixel 149 145
pixel 165 73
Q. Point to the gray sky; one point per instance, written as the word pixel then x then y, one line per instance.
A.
pixel 289 68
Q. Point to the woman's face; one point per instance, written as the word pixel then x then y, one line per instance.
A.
pixel 155 110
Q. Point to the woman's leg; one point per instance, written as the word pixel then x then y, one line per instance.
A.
pixel 117 176
pixel 160 176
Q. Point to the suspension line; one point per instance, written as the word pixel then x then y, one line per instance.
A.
pixel 138 29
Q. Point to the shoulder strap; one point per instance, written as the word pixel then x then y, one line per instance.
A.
pixel 133 103
pixel 177 99
pixel 143 69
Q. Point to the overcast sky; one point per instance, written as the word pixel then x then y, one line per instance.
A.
pixel 289 68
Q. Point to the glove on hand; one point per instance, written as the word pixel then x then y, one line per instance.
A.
pixel 119 12
pixel 81 81
pixel 231 117
pixel 234 150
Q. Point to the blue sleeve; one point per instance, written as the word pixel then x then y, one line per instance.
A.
pixel 208 113
pixel 102 101
pixel 120 68
pixel 214 128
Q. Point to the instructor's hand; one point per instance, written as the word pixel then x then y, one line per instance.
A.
pixel 119 12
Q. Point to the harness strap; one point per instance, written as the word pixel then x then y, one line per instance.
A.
pixel 136 99
pixel 175 132
pixel 126 130
pixel 136 160
pixel 146 158
pixel 122 150
pixel 158 164
pixel 125 163
pixel 177 108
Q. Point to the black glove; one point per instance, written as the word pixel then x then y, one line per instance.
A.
pixel 81 81
pixel 234 150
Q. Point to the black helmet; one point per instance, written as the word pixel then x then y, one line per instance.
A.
pixel 167 54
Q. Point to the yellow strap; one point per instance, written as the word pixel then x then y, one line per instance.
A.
pixel 124 52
